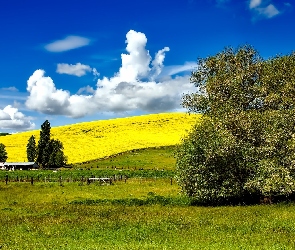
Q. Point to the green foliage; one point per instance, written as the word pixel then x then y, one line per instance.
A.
pixel 3 153
pixel 31 149
pixel 211 165
pixel 50 151
pixel 4 134
pixel 244 146
pixel 57 157
pixel 43 144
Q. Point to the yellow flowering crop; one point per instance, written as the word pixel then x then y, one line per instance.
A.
pixel 92 140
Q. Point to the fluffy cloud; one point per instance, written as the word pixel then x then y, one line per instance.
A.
pixel 76 69
pixel 269 11
pixel 254 3
pixel 12 119
pixel 68 43
pixel 133 87
pixel 87 89
pixel 262 9
pixel 158 62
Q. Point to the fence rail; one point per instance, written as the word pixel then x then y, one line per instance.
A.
pixel 83 179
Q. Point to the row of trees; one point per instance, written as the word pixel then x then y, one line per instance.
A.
pixel 49 152
pixel 243 148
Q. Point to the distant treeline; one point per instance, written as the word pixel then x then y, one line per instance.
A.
pixel 3 134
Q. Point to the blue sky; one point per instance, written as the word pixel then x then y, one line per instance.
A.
pixel 74 61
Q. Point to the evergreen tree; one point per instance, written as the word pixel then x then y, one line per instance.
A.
pixel 3 153
pixel 50 151
pixel 31 149
pixel 43 152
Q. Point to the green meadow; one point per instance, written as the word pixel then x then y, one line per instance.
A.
pixel 73 216
pixel 160 158
pixel 143 212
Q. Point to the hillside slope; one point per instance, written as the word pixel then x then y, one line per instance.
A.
pixel 92 140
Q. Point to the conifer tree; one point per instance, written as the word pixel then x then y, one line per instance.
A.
pixel 50 151
pixel 31 149
pixel 43 153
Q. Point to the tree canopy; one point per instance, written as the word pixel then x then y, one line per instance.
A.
pixel 3 153
pixel 244 145
pixel 49 152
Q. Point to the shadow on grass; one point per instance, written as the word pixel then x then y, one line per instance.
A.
pixel 152 199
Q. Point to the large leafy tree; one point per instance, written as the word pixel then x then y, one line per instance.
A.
pixel 31 149
pixel 244 146
pixel 49 151
pixel 3 153
pixel 57 157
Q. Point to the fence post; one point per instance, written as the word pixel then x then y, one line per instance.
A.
pixel 6 179
pixel 32 181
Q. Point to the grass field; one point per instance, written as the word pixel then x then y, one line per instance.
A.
pixel 50 216
pixel 150 162
pixel 147 211
pixel 148 158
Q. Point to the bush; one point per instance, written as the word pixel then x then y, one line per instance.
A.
pixel 244 146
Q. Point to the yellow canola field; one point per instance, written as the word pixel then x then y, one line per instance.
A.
pixel 93 140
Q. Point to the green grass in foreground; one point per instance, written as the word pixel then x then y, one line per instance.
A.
pixel 73 216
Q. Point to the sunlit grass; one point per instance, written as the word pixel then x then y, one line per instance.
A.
pixel 44 216
pixel 92 140
pixel 149 158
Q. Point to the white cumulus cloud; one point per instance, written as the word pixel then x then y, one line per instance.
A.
pixel 254 3
pixel 77 69
pixel 158 62
pixel 133 87
pixel 12 119
pixel 68 43
pixel 269 11
pixel 263 9
pixel 87 89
